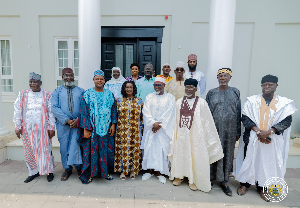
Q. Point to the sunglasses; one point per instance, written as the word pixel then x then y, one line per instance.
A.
pixel 180 69
pixel 157 85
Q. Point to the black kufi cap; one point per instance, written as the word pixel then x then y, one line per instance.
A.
pixel 191 81
pixel 269 78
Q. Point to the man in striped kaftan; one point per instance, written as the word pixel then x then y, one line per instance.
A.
pixel 35 124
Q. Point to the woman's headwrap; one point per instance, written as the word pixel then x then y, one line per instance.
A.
pixel 113 80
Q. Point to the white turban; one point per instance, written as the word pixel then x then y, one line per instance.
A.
pixel 179 64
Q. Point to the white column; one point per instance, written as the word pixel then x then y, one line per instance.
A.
pixel 89 33
pixel 221 37
pixel 3 130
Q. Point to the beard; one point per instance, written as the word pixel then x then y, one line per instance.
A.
pixel 192 68
pixel 157 92
pixel 189 95
pixel 69 84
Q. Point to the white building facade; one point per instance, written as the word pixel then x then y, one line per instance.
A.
pixel 42 36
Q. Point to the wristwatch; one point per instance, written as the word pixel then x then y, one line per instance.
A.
pixel 258 132
pixel 272 132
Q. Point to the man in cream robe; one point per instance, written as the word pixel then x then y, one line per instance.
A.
pixel 265 153
pixel 159 117
pixel 195 143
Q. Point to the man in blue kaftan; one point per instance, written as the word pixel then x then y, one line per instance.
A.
pixel 65 104
pixel 97 123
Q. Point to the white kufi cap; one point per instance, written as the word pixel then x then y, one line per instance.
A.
pixel 160 79
pixel 179 64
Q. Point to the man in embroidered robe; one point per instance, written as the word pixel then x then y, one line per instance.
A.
pixel 97 124
pixel 166 73
pixel 65 104
pixel 263 152
pixel 195 143
pixel 159 117
pixel 225 105
pixel 176 86
pixel 145 84
pixel 194 74
pixel 35 124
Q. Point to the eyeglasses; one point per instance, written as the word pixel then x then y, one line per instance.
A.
pixel 33 81
pixel 68 76
pixel 190 88
pixel 266 85
pixel 179 69
pixel 157 85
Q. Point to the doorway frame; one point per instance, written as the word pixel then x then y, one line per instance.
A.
pixel 155 32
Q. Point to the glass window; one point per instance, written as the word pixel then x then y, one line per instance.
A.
pixel 119 57
pixel 6 68
pixel 67 55
pixel 129 59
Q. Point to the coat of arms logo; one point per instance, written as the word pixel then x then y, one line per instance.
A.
pixel 275 189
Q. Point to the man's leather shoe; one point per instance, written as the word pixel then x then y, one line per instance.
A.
pixel 50 177
pixel 226 190
pixel 30 178
pixel 241 190
pixel 264 196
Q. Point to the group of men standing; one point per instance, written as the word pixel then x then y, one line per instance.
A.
pixel 184 135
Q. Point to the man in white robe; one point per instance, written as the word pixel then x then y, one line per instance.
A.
pixel 263 152
pixel 195 74
pixel 35 123
pixel 195 143
pixel 159 117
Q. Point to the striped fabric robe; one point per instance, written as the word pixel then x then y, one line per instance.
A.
pixel 33 115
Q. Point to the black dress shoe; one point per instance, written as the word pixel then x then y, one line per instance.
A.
pixel 30 178
pixel 50 177
pixel 226 190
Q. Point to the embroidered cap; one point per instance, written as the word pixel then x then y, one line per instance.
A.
pixel 98 73
pixel 160 79
pixel 179 64
pixel 67 70
pixel 224 70
pixel 35 76
pixel 192 57
pixel 166 64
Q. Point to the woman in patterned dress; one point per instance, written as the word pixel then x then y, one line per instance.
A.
pixel 128 155
pixel 135 68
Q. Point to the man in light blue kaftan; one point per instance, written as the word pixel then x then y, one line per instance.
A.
pixel 65 105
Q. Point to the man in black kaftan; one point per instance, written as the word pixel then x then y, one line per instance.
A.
pixel 225 105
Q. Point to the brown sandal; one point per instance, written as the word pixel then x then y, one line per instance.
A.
pixel 65 176
pixel 241 190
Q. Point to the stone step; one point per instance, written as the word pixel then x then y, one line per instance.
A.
pixel 15 151
pixel 296 142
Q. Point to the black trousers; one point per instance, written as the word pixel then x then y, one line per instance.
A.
pixel 247 185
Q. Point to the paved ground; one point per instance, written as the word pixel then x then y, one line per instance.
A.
pixel 130 193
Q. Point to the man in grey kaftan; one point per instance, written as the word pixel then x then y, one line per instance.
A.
pixel 225 105
pixel 65 104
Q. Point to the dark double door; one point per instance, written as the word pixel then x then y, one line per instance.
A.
pixel 122 52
